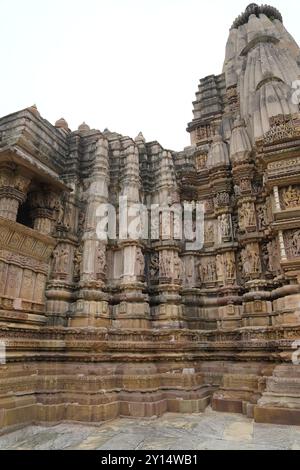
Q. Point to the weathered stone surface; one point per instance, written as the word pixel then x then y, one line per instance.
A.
pixel 98 327
pixel 208 431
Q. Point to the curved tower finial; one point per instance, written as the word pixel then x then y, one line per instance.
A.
pixel 254 9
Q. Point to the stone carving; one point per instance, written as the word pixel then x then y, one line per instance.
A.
pixel 154 265
pixel 222 199
pixel 60 260
pixel 226 268
pixel 207 270
pixel 189 276
pixel 281 128
pixel 177 268
pixel 230 267
pixel 220 269
pixel 225 226
pixel 60 212
pixel 165 264
pixel 16 237
pixel 283 167
pixel 65 216
pixel 245 185
pixel 209 206
pixel 209 233
pixel 101 266
pixel 262 217
pixel 251 260
pixel 77 262
pixel 201 162
pixel 292 243
pixel 247 216
pixel 98 313
pixel 273 260
pixel 81 222
pixel 291 197
pixel 139 263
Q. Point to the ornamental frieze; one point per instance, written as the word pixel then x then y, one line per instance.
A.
pixel 25 241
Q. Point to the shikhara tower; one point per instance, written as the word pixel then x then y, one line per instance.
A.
pixel 95 329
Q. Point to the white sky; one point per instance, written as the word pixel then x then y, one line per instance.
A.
pixel 128 65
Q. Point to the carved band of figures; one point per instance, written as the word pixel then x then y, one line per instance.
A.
pixel 23 261
pixel 207 271
pixel 170 265
pixel 226 268
pixel 23 243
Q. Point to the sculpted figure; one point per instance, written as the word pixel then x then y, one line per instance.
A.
pixel 209 233
pixel 101 260
pixel 220 268
pixel 60 213
pixel 68 216
pixel 251 261
pixel 246 261
pixel 177 267
pixel 296 243
pixel 61 260
pixel 189 271
pixel 211 271
pixel 64 260
pixel 154 265
pixel 202 273
pixel 230 268
pixel 139 263
pixel 247 216
pixel 255 260
pixel 225 226
pixel 262 217
pixel 165 264
pixel 291 198
pixel 77 262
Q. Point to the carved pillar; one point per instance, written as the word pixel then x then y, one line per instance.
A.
pixel 167 309
pixel 13 191
pixel 222 269
pixel 132 309
pixel 90 266
pixel 43 209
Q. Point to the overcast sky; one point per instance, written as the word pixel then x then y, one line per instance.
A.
pixel 126 65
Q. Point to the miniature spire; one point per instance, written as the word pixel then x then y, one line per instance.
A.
pixel 84 127
pixel 140 137
pixel 62 124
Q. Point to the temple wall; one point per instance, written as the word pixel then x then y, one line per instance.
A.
pixel 98 327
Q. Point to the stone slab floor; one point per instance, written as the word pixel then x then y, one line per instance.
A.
pixel 206 431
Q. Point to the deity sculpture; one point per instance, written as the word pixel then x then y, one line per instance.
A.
pixel 230 267
pixel 225 226
pixel 177 268
pixel 101 260
pixel 139 263
pixel 154 265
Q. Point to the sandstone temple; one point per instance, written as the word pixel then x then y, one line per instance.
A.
pixel 92 329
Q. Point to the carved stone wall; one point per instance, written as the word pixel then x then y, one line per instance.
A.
pixel 162 322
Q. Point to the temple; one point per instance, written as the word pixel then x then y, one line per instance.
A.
pixel 96 328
